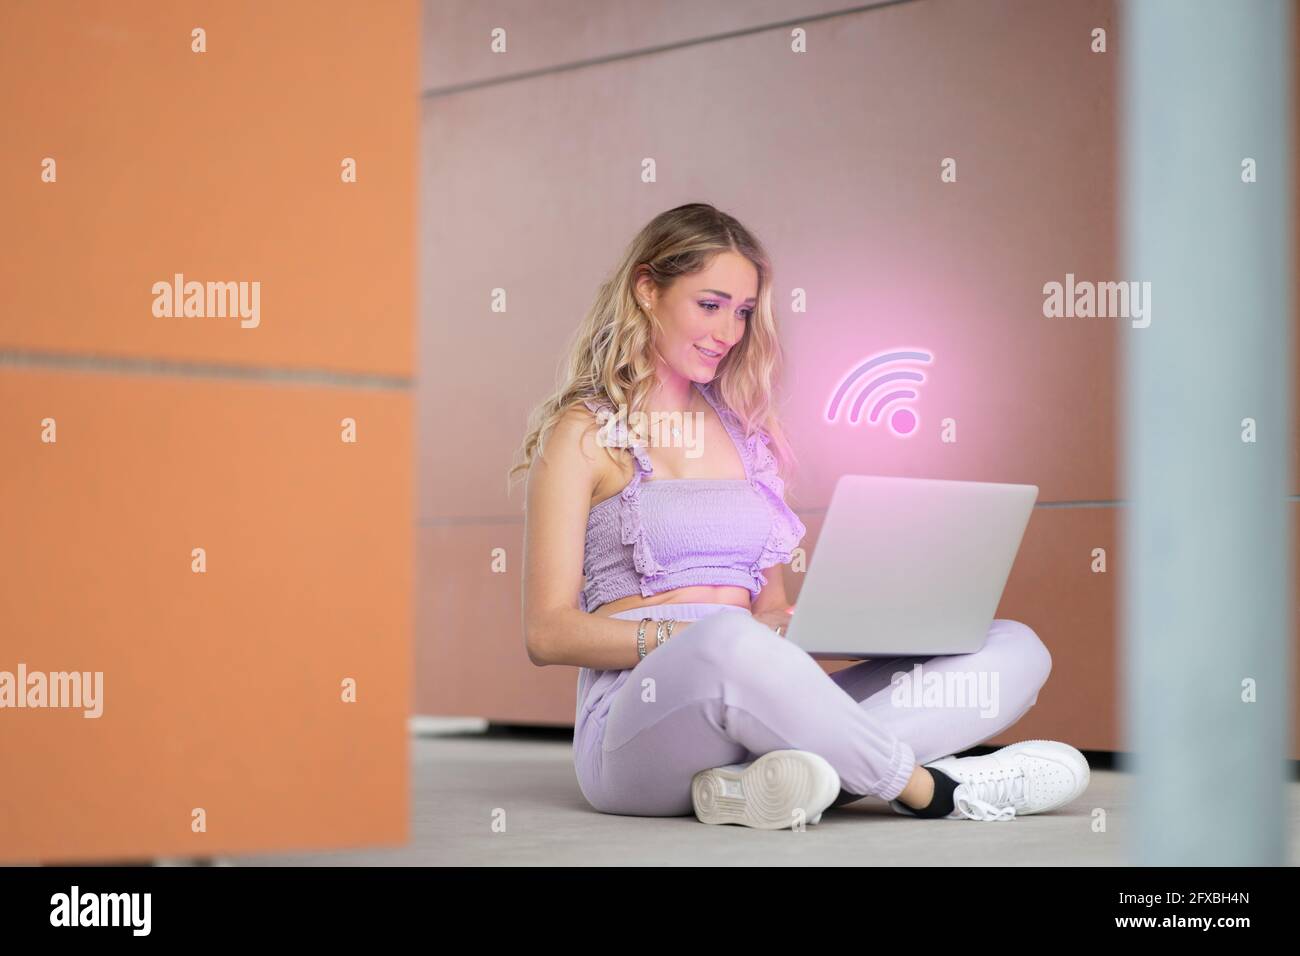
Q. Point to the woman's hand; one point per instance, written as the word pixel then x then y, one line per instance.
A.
pixel 776 619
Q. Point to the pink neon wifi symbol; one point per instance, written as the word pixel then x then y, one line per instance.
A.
pixel 902 419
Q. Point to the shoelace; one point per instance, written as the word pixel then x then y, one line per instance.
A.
pixel 992 798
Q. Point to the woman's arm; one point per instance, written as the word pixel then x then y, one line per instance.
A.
pixel 771 606
pixel 558 500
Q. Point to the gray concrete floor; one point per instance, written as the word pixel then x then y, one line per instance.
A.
pixel 458 782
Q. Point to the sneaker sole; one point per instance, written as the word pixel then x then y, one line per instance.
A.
pixel 766 794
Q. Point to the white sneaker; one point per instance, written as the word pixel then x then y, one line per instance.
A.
pixel 1033 776
pixel 766 793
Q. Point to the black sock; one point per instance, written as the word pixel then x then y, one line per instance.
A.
pixel 846 796
pixel 940 804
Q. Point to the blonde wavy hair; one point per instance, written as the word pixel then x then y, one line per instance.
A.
pixel 610 357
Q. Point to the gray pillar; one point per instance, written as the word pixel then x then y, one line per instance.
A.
pixel 1206 594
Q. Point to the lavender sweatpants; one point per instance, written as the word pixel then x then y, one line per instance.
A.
pixel 728 689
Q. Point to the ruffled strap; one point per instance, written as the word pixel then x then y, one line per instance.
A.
pixel 614 433
pixel 787 530
pixel 631 527
pixel 760 464
pixel 732 423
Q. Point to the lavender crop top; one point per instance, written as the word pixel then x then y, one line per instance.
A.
pixel 663 533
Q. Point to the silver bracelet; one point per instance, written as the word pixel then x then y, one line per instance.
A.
pixel 640 636
pixel 663 631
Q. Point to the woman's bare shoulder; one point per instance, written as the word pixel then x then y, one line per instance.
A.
pixel 575 446
pixel 572 442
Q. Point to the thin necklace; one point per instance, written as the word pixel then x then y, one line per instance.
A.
pixel 677 429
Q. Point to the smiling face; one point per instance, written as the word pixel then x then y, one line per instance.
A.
pixel 703 315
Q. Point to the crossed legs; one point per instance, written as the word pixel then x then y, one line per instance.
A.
pixel 728 689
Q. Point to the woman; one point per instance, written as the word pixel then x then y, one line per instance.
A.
pixel 645 551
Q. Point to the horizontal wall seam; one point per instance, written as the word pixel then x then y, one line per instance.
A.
pixel 458 520
pixel 125 365
pixel 438 91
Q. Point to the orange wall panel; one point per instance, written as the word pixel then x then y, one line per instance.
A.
pixel 609 27
pixel 470 659
pixel 222 690
pixel 221 166
pixel 833 157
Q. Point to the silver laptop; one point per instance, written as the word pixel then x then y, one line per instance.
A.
pixel 908 566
